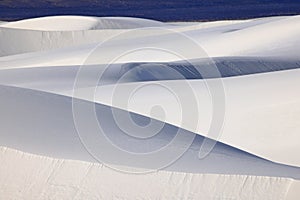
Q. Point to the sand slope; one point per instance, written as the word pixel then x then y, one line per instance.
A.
pixel 46 62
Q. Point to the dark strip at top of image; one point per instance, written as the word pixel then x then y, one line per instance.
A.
pixel 166 10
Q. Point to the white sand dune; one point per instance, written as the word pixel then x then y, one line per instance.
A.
pixel 45 62
pixel 222 40
pixel 79 23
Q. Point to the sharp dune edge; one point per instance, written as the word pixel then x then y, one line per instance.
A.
pixel 39 64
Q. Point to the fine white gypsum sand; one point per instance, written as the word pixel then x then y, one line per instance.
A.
pixel 262 110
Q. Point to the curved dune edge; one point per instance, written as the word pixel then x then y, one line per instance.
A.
pixel 258 123
pixel 28 176
pixel 76 23
pixel 52 133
